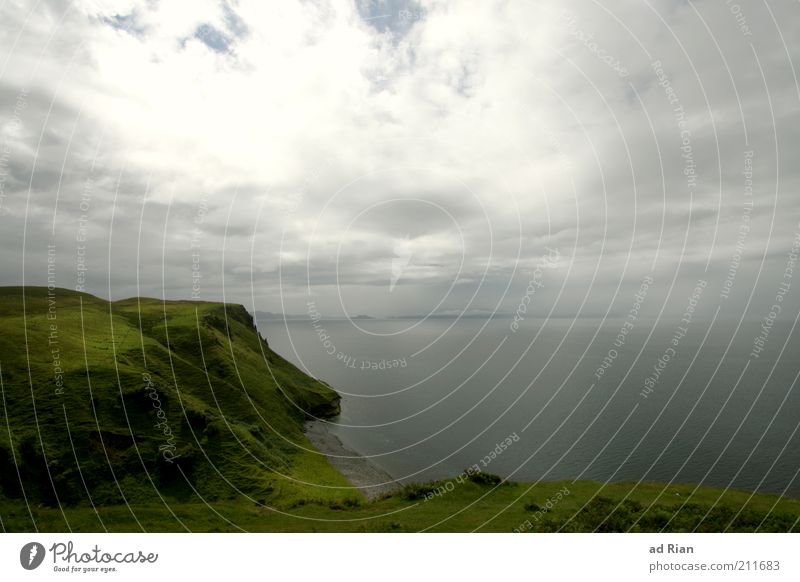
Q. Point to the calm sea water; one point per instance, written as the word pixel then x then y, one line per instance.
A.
pixel 427 399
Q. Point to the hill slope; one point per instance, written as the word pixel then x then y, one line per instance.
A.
pixel 113 403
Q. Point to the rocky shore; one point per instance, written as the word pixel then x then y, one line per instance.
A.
pixel 370 479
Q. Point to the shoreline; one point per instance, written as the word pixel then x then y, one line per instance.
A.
pixel 363 474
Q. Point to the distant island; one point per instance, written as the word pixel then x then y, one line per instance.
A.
pixel 465 315
pixel 270 316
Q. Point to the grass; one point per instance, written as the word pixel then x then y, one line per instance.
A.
pixel 92 455
pixel 521 507
pixel 233 409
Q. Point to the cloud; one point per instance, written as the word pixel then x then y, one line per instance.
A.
pixel 294 143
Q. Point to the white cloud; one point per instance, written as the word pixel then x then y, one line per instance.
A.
pixel 497 112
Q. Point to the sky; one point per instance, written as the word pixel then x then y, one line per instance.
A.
pixel 396 158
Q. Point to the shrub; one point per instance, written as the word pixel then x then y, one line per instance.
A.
pixel 416 491
pixel 486 479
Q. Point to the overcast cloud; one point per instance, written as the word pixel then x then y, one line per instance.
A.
pixel 391 158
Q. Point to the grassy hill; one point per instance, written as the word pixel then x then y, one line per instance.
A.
pixel 145 415
pixel 131 401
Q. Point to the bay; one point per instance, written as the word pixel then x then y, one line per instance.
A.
pixel 425 399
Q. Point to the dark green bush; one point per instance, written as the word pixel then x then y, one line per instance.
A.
pixel 486 479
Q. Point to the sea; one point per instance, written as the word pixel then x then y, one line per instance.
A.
pixel 560 398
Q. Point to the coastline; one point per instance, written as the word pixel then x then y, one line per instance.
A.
pixel 364 475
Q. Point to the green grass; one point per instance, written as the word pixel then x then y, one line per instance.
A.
pixel 90 457
pixel 233 407
pixel 589 506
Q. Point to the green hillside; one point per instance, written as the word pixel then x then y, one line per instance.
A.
pixel 135 400
pixel 145 415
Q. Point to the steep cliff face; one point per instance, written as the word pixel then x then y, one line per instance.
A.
pixel 311 397
pixel 130 400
